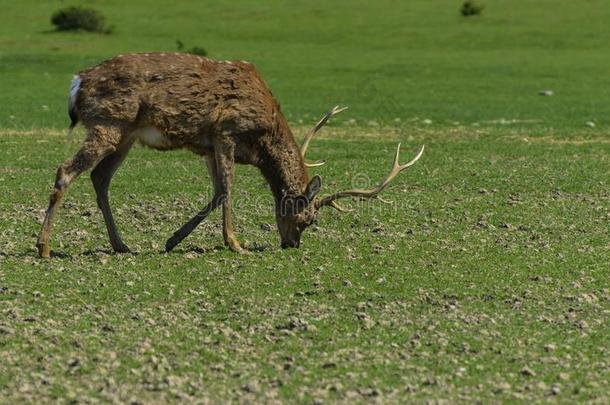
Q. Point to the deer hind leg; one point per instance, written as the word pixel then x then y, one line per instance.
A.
pixel 100 142
pixel 101 177
pixel 187 228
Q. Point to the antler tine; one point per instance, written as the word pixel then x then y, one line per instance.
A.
pixel 372 193
pixel 397 168
pixel 334 111
pixel 316 164
pixel 339 207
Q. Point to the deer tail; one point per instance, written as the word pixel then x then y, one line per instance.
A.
pixel 72 111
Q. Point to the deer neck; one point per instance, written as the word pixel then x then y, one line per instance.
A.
pixel 283 166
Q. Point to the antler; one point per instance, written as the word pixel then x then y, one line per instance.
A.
pixel 372 193
pixel 336 110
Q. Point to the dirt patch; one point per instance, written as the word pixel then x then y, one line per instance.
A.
pixel 385 133
pixel 32 132
pixel 549 140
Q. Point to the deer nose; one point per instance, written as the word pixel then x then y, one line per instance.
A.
pixel 290 244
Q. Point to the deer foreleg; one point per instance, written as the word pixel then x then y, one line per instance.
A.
pixel 221 169
pixel 225 167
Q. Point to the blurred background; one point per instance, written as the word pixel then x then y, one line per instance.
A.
pixel 539 64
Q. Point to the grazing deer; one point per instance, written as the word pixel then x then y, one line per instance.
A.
pixel 220 110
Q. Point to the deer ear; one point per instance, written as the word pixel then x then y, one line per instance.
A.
pixel 313 188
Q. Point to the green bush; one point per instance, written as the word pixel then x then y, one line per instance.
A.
pixel 79 18
pixel 197 50
pixel 470 8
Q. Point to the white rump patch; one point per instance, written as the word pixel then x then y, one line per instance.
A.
pixel 74 86
pixel 151 137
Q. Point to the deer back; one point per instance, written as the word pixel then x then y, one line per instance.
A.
pixel 187 98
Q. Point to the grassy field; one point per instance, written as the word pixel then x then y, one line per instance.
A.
pixel 411 60
pixel 486 279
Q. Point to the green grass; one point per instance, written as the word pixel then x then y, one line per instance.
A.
pixel 385 59
pixel 485 280
pixel 493 258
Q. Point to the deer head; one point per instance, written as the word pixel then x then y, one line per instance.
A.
pixel 296 212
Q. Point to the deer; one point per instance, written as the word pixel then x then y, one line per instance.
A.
pixel 221 110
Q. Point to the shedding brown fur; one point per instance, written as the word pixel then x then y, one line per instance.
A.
pixel 220 110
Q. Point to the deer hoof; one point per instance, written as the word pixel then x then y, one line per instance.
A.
pixel 240 251
pixel 234 245
pixel 171 243
pixel 44 251
pixel 122 248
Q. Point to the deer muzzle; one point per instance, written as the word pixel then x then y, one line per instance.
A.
pixel 290 244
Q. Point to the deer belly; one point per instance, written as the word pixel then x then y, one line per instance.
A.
pixel 153 138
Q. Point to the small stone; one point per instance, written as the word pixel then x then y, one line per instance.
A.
pixel 555 389
pixel 429 381
pixel 336 387
pixel 368 392
pixel 501 387
pixel 276 383
pixel 590 124
pixel 252 387
pixel 550 347
pixel 546 93
pixel 266 227
pixel 528 372
pixel 366 321
pixel 260 247
pixel 107 328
